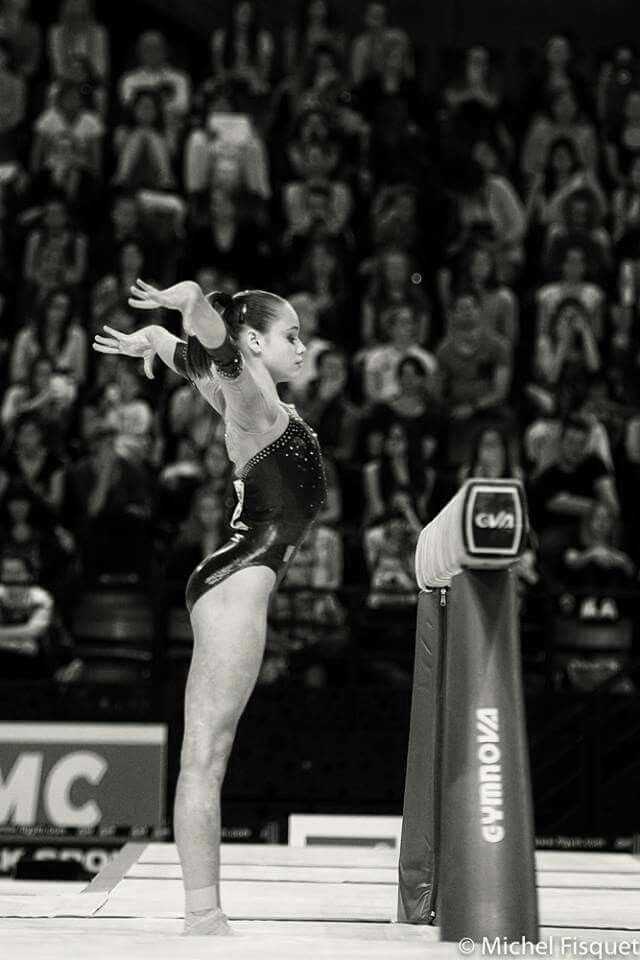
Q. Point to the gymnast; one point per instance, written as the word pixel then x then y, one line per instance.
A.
pixel 236 350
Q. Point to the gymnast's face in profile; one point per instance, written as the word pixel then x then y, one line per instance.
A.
pixel 282 348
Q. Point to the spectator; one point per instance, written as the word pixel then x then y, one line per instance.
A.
pixel 476 270
pixel 13 106
pixel 143 147
pixel 566 358
pixel 23 35
pixel 491 457
pixel 561 178
pixel 489 212
pixel 559 73
pixel 474 374
pixel 389 550
pixel 572 283
pixel 323 275
pixel 396 478
pixel 317 26
pixel 623 140
pixel 108 504
pixel 367 51
pixel 124 224
pixel 57 241
pixel 201 534
pixel 178 480
pixel 77 34
pixel 64 174
pixel 395 282
pixel 305 306
pixel 68 116
pixel 243 49
pixel 30 462
pixel 380 364
pixel 127 412
pixel 226 148
pixel 56 335
pixel 391 87
pixel 567 490
pixel 326 406
pixel 626 222
pixel 415 407
pixel 154 72
pixel 579 225
pixel 49 393
pixel 619 73
pixel 25 621
pixel 318 202
pixel 563 120
pixel 473 105
pixel 478 82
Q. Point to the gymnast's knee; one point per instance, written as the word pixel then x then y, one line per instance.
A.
pixel 204 758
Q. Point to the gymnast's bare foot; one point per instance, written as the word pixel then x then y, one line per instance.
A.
pixel 207 923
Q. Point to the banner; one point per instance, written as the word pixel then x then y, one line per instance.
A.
pixel 55 776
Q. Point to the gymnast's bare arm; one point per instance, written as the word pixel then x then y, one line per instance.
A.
pixel 198 316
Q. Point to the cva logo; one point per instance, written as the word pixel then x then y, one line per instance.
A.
pixel 495 521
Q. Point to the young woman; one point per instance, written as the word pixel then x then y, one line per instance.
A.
pixel 235 355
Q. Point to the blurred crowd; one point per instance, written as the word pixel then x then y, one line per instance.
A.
pixel 464 257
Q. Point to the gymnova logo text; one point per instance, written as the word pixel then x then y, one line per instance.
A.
pixel 495 521
pixel 490 774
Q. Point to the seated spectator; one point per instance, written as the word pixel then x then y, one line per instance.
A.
pixel 567 490
pixel 243 49
pixel 579 225
pixel 130 264
pixel 57 335
pixel 13 100
pixel 573 283
pixel 622 358
pixel 414 406
pixel 154 72
pixel 396 221
pixel 389 547
pixel 473 104
pixel 559 72
pixel 474 375
pixel 491 457
pixel 30 462
pixel 394 283
pixel 25 621
pixel 303 212
pixel 29 531
pixel 593 570
pixel 322 274
pixel 108 507
pixel 127 412
pixel 312 129
pixel 626 220
pixel 619 73
pixel 367 50
pixel 202 533
pixel 142 146
pixel 178 480
pixel 476 270
pixel 225 146
pixel 23 35
pixel 565 121
pixel 392 86
pixel 49 393
pixel 623 140
pixel 190 417
pixel 305 306
pixel 380 363
pixel 77 34
pixel 566 359
pixel 68 115
pixel 489 212
pixel 398 477
pixel 561 178
pixel 124 224
pixel 317 26
pixel 64 174
pixel 326 406
pixel 57 240
pixel 233 238
pixel 478 82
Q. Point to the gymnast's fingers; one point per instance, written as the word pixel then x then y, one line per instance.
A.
pixel 114 333
pixel 103 348
pixel 142 304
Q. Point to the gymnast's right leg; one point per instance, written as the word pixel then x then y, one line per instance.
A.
pixel 229 624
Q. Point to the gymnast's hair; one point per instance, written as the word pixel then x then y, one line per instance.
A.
pixel 250 308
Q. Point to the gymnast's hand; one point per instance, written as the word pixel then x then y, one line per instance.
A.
pixel 138 344
pixel 181 296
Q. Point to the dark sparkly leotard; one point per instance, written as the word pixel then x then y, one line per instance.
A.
pixel 280 492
